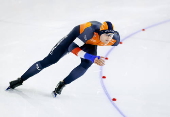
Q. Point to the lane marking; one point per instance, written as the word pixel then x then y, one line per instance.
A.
pixel 101 68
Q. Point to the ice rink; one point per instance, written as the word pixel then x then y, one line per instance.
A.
pixel 137 71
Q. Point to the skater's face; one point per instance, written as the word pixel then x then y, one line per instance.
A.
pixel 106 38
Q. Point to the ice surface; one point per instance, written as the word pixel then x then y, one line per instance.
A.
pixel 137 71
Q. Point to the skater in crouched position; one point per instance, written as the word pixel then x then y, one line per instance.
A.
pixel 81 41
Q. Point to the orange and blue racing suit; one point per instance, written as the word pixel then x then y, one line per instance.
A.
pixel 81 41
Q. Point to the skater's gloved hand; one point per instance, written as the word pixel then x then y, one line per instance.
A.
pixel 100 61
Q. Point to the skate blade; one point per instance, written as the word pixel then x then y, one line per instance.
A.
pixel 54 94
pixel 8 88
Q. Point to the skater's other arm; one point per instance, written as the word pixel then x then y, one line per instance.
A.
pixel 80 41
pixel 99 60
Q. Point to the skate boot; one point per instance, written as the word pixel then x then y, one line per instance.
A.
pixel 58 88
pixel 15 83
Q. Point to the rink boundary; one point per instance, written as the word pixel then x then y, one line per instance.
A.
pixel 107 54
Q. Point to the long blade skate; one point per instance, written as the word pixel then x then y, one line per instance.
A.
pixel 8 88
pixel 54 94
pixel 15 83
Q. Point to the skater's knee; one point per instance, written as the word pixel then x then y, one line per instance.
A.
pixel 85 65
pixel 46 63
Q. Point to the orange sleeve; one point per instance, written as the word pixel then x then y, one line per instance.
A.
pixel 76 51
pixel 84 26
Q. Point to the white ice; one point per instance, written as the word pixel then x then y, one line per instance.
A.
pixel 138 71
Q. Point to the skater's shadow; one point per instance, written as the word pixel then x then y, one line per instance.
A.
pixel 27 98
pixel 20 93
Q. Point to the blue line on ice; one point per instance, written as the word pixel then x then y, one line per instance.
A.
pixel 101 68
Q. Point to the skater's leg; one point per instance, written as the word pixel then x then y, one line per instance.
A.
pixel 84 65
pixel 74 74
pixel 57 52
pixel 78 71
pixel 34 69
pixel 37 67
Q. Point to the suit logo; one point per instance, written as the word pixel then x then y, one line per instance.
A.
pixel 85 37
pixel 38 67
pixel 57 45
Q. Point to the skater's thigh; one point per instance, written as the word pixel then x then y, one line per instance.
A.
pixel 61 48
pixel 54 56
